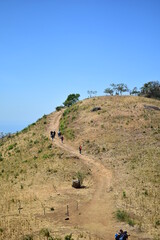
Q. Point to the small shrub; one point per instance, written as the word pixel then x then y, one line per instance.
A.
pixel 73 118
pixel 58 108
pixel 124 217
pixel 50 146
pixel 157 223
pixel 131 222
pixel 45 232
pixel 68 237
pixel 146 193
pixel 66 112
pixel 35 165
pixel 124 194
pixel 10 147
pixel 17 150
pixel 1 158
pixel 25 130
pixel 40 150
pixel 27 237
pixel 80 177
pixel 45 156
pixel 121 215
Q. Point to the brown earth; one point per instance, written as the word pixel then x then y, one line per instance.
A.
pixel 96 213
pixel 120 162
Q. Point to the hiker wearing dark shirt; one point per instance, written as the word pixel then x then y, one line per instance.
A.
pixel 59 133
pixel 62 138
pixel 52 134
pixel 80 149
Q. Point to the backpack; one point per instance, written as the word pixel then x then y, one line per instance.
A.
pixel 117 236
pixel 124 236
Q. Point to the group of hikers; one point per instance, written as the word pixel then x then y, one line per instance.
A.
pixel 121 235
pixel 53 134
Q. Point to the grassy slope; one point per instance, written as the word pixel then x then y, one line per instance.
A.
pixel 32 171
pixel 125 137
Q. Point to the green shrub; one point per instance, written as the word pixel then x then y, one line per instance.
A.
pixel 68 237
pixel 50 146
pixel 1 158
pixel 80 177
pixel 124 217
pixel 45 232
pixel 25 130
pixel 27 237
pixel 58 108
pixel 157 223
pixel 45 156
pixel 124 194
pixel 10 147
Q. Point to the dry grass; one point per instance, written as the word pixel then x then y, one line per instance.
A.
pixel 36 179
pixel 126 138
pixel 36 176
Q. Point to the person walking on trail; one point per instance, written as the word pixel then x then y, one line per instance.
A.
pixel 52 134
pixel 59 133
pixel 122 235
pixel 62 138
pixel 80 149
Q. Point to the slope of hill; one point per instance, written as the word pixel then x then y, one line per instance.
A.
pixel 124 135
pixel 120 154
pixel 36 178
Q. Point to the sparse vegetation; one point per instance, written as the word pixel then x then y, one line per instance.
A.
pixel 36 173
pixel 27 237
pixel 68 237
pixel 124 217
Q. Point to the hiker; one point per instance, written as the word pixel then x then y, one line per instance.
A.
pixel 59 133
pixel 51 134
pixel 122 235
pixel 119 234
pixel 62 138
pixel 80 149
pixel 54 134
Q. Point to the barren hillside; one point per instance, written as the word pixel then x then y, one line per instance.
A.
pixel 124 136
pixel 119 164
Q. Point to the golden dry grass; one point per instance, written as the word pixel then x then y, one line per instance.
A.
pixel 125 137
pixel 36 175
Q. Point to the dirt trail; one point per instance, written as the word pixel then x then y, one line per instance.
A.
pixel 97 215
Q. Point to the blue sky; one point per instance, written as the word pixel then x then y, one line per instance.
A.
pixel 51 48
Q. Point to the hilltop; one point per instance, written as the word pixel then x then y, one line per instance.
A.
pixel 119 163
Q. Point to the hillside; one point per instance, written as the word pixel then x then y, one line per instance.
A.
pixel 119 163
pixel 124 136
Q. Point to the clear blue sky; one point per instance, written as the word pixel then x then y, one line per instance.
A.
pixel 51 48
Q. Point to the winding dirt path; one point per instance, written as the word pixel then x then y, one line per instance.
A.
pixel 97 214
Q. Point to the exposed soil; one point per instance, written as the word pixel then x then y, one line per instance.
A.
pixel 96 211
